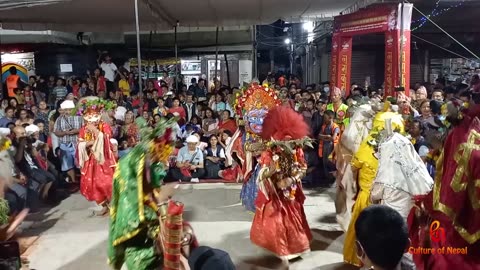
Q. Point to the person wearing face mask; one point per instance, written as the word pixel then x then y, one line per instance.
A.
pixel 326 88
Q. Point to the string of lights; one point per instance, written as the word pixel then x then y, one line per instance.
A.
pixel 435 12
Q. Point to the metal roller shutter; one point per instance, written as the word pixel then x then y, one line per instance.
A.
pixel 363 65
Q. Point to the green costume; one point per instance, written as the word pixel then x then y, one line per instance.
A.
pixel 134 223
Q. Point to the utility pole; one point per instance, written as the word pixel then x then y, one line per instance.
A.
pixel 254 51
pixel 292 50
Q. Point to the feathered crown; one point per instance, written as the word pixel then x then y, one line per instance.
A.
pixel 91 108
pixel 283 124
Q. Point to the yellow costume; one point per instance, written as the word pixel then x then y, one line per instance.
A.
pixel 366 163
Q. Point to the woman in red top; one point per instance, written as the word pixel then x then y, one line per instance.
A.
pixel 226 123
pixel 101 81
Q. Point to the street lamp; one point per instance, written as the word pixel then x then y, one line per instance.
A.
pixel 288 41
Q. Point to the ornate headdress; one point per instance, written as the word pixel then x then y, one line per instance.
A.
pixel 159 142
pixel 91 108
pixel 255 97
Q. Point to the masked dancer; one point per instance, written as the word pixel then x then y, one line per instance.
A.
pixel 280 224
pixel 95 152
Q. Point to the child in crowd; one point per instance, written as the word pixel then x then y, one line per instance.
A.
pixel 19 96
pixel 123 148
pixel 382 238
pixel 187 130
pixel 28 97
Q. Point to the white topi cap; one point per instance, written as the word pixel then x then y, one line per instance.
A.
pixel 67 104
pixel 192 139
pixel 30 129
pixel 4 131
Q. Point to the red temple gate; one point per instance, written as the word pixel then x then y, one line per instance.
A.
pixel 391 19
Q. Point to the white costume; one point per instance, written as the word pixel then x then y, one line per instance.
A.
pixel 401 175
pixel 358 129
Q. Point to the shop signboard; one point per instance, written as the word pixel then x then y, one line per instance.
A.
pixel 190 67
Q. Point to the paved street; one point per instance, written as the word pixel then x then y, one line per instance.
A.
pixel 71 240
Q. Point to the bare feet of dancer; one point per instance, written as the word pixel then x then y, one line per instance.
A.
pixel 103 212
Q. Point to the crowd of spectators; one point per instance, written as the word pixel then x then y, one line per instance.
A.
pixel 39 127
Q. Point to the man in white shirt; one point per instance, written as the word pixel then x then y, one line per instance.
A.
pixel 110 70
pixel 189 164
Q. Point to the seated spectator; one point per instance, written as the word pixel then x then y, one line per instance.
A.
pixel 188 130
pixel 201 145
pixel 196 121
pixel 161 108
pixel 39 179
pixel 42 136
pixel 189 165
pixel 9 117
pixel 178 111
pixel 225 138
pixel 226 123
pixel 209 125
pixel 123 148
pixel 382 237
pixel 24 118
pixel 214 158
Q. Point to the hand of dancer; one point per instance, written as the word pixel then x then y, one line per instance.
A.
pixel 166 192
pixel 184 263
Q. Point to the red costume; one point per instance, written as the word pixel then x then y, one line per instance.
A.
pixel 96 177
pixel 454 202
pixel 280 224
pixel 95 153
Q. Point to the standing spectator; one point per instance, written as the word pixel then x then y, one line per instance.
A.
pixel 308 112
pixel 110 70
pixel 200 91
pixel 60 91
pixel 66 129
pixel 123 84
pixel 13 82
pixel 193 84
pixel 317 118
pixel 328 139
